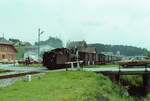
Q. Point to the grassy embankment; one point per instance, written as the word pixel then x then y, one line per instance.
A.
pixel 134 80
pixel 64 86
pixel 147 98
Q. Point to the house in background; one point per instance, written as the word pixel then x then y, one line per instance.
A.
pixel 7 51
pixel 86 54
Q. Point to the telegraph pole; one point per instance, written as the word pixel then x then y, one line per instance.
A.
pixel 39 35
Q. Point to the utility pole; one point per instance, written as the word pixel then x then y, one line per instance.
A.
pixel 39 35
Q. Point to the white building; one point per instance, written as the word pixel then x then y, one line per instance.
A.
pixel 32 51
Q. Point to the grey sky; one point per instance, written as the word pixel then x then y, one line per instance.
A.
pixel 96 21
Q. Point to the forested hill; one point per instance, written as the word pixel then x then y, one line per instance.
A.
pixel 124 50
pixel 53 42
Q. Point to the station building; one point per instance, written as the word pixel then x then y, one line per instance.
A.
pixel 7 52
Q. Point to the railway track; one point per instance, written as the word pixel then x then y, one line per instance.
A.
pixel 7 76
pixel 3 71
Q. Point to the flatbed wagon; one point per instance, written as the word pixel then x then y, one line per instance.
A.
pixel 129 63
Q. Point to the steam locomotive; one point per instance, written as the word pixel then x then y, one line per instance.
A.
pixel 56 58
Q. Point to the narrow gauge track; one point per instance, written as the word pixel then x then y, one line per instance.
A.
pixel 7 76
pixel 3 71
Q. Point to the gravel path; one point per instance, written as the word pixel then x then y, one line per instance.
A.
pixel 10 81
pixel 13 68
pixel 7 82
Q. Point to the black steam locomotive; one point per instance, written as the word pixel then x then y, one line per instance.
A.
pixel 56 58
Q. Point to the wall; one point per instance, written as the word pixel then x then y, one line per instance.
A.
pixel 7 53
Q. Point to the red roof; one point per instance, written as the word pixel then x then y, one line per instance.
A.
pixel 8 44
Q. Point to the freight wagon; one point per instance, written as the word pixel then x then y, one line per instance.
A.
pixel 106 59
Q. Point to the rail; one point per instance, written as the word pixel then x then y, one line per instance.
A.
pixel 17 75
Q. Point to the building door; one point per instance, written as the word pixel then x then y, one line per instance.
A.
pixel 3 56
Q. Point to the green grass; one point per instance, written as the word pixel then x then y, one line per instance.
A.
pixel 147 98
pixel 64 86
pixel 134 80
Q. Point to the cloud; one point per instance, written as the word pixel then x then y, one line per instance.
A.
pixel 105 21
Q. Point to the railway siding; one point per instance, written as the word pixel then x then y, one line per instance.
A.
pixel 9 74
pixel 9 81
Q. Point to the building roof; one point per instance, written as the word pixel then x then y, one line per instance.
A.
pixel 76 44
pixel 60 51
pixel 3 41
pixel 88 50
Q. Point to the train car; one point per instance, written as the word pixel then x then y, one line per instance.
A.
pixel 56 59
pixel 100 59
pixel 106 59
pixel 87 55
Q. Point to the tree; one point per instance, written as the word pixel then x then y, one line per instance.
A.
pixel 14 40
pixel 53 42
pixel 125 50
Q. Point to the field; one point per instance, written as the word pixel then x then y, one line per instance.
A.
pixel 65 86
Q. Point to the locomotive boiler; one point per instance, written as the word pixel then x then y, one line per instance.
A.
pixel 56 59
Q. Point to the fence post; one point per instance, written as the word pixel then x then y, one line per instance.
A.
pixel 72 66
pixel 78 64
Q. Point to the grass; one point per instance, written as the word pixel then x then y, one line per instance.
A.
pixel 134 80
pixel 147 98
pixel 1 71
pixel 64 86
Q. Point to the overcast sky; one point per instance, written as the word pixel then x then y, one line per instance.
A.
pixel 124 22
